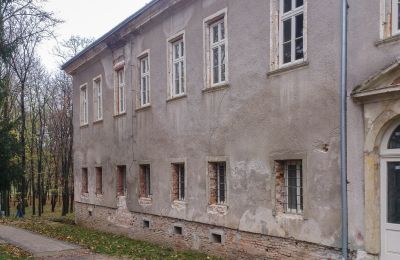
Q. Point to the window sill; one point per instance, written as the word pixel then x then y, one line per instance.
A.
pixel 84 125
pixel 215 88
pixel 145 201
pixel 85 195
pixel 217 209
pixel 99 195
pixel 391 39
pixel 290 216
pixel 143 108
pixel 176 98
pixel 179 204
pixel 98 121
pixel 120 114
pixel 294 66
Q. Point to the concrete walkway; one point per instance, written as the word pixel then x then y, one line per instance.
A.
pixel 43 247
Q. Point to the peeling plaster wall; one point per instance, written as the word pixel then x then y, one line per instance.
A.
pixel 254 121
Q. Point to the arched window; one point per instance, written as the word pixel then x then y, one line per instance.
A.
pixel 394 141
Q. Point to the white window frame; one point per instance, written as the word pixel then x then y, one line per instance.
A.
pixel 299 187
pixel 145 56
pixel 98 98
pixel 210 22
pixel 120 91
pixel 395 17
pixel 84 106
pixel 181 60
pixel 291 15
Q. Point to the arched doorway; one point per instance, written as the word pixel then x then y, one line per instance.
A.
pixel 390 193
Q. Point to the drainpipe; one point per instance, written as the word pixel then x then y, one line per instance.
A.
pixel 343 129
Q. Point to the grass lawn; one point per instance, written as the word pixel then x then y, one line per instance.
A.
pixel 11 252
pixel 63 228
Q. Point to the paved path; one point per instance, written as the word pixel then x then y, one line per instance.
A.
pixel 43 247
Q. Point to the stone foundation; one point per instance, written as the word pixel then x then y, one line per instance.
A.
pixel 213 240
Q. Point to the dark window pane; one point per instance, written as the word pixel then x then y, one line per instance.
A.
pixel 287 30
pixel 394 141
pixel 215 33
pixel 287 5
pixel 398 17
pixel 299 26
pixel 287 52
pixel 299 49
pixel 222 30
pixel 299 3
pixel 393 193
pixel 292 187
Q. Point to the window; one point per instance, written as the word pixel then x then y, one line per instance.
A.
pixel 394 141
pixel 217 172
pixel 291 34
pixel 144 81
pixel 395 17
pixel 121 180
pixel 145 181
pixel 178 178
pixel 293 189
pixel 84 105
pixel 178 230
pixel 177 53
pixel 146 223
pixel 99 180
pixel 120 91
pixel 216 49
pixel 97 99
pixel 85 188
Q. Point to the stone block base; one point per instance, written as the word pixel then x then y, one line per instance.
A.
pixel 213 240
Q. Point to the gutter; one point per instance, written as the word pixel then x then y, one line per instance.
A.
pixel 343 128
pixel 109 33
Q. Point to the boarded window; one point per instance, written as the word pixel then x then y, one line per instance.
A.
pixel 121 180
pixel 145 180
pixel 178 181
pixel 85 180
pixel 217 173
pixel 99 180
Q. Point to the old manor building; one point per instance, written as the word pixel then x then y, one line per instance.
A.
pixel 214 125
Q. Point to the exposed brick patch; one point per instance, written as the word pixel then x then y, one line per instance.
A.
pixel 279 187
pixel 212 173
pixel 237 244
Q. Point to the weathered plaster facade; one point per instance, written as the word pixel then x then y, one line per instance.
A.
pixel 263 115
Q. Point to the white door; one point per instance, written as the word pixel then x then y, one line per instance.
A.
pixel 390 208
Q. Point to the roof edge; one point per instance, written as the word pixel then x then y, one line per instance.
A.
pixel 109 33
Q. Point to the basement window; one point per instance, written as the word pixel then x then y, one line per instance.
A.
pixel 121 180
pixel 216 238
pixel 146 223
pixel 85 185
pixel 178 230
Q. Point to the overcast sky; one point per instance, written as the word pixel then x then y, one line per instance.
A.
pixel 87 18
